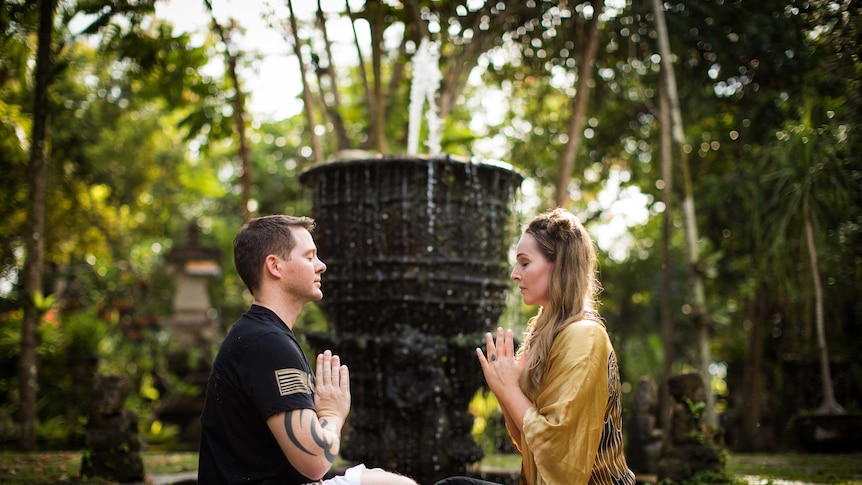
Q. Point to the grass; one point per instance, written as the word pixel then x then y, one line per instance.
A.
pixel 834 469
pixel 45 468
pixel 64 466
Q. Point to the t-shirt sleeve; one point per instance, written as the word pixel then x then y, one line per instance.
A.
pixel 278 376
pixel 564 428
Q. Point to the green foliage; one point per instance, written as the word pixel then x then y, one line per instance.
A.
pixel 55 430
pixel 141 147
pixel 810 174
pixel 83 333
pixel 162 436
pixel 695 409
pixel 489 428
pixel 67 353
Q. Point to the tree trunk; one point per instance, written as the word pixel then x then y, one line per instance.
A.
pixel 37 175
pixel 830 404
pixel 379 114
pixel 333 108
pixel 751 435
pixel 316 147
pixel 239 126
pixel 696 287
pixel 363 73
pixel 398 70
pixel 231 60
pixel 579 106
pixel 667 330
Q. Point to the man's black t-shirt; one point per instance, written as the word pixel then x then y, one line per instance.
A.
pixel 260 370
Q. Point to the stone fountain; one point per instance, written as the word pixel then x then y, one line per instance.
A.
pixel 417 256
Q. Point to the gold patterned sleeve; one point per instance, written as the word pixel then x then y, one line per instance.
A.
pixel 563 431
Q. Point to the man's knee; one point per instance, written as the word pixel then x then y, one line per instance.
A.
pixel 381 477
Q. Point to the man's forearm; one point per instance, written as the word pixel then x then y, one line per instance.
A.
pixel 329 437
pixel 309 442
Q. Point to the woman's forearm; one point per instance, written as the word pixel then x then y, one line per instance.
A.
pixel 511 427
pixel 514 405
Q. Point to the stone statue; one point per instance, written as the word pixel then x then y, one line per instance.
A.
pixel 644 443
pixel 690 452
pixel 112 446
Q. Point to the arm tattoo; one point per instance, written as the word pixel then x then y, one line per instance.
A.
pixel 288 427
pixel 327 445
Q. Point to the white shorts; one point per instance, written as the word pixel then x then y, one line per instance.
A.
pixel 351 477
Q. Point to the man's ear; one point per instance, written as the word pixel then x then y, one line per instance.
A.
pixel 272 264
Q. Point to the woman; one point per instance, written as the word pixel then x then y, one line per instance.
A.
pixel 560 393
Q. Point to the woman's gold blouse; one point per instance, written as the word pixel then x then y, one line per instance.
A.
pixel 573 434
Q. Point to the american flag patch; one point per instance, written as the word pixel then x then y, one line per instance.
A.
pixel 293 381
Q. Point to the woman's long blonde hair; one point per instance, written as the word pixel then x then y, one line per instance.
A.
pixel 574 287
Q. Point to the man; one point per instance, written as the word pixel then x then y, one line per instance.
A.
pixel 268 418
